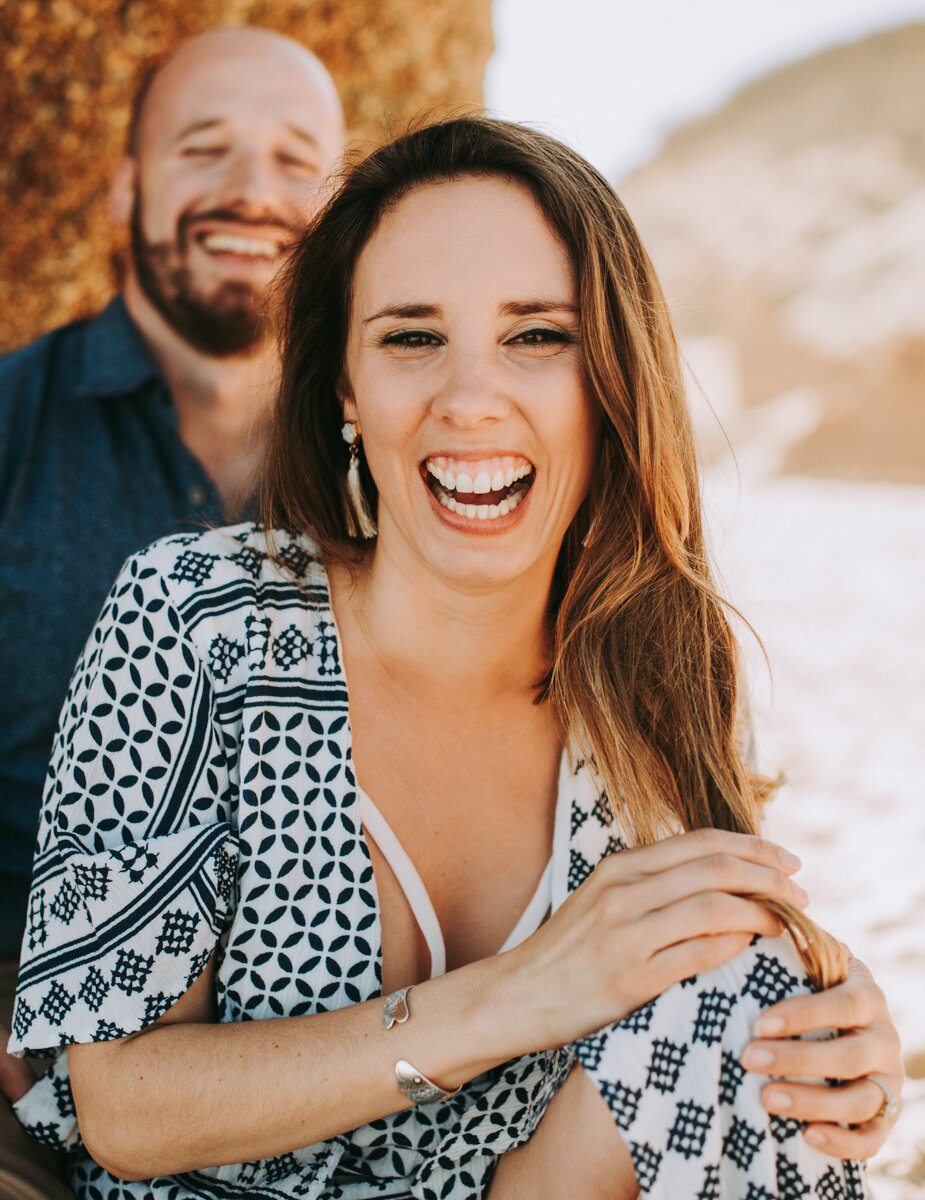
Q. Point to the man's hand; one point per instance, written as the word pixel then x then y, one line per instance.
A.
pixel 15 1074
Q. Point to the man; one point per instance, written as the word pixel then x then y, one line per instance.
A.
pixel 147 419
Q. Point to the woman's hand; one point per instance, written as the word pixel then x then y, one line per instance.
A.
pixel 644 920
pixel 867 1044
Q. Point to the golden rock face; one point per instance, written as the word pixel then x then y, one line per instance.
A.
pixel 788 226
pixel 68 69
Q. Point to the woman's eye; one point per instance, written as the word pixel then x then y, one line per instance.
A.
pixel 542 336
pixel 411 339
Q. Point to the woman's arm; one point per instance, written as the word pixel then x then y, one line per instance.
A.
pixel 187 1093
pixel 842 1121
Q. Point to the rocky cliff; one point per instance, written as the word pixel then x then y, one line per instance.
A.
pixel 789 231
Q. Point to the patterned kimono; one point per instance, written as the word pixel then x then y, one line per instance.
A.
pixel 201 798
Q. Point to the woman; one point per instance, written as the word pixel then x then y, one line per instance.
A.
pixel 539 674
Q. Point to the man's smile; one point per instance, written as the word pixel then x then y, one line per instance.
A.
pixel 242 245
pixel 221 234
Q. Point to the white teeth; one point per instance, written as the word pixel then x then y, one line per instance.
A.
pixel 481 512
pixel 493 476
pixel 512 474
pixel 446 479
pixel 229 243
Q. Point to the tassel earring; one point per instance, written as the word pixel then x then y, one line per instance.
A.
pixel 360 523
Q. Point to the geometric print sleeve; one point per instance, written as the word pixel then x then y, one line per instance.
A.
pixel 136 852
pixel 689 1113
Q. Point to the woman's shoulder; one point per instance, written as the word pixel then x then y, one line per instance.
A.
pixel 238 572
pixel 229 594
pixel 222 556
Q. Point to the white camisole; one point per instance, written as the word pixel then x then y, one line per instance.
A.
pixel 419 901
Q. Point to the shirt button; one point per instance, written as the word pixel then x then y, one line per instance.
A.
pixel 197 495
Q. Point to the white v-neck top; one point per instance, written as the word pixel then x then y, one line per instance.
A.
pixel 419 901
pixel 201 802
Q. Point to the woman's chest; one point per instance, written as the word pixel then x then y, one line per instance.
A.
pixel 323 918
pixel 464 809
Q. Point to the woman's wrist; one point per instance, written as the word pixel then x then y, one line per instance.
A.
pixel 466 1022
pixel 506 1007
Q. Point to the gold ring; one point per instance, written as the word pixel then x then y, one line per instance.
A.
pixel 890 1106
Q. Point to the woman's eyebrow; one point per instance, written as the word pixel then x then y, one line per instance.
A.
pixel 511 308
pixel 417 311
pixel 526 308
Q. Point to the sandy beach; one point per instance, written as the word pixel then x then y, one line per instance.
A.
pixel 832 577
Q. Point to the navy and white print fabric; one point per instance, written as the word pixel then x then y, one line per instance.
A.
pixel 670 1074
pixel 201 801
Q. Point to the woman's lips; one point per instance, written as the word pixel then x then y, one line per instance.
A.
pixel 483 489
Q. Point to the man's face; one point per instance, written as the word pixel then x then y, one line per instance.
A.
pixel 236 135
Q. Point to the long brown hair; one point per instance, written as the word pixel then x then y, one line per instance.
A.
pixel 645 670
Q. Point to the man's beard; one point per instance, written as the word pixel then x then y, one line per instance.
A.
pixel 227 322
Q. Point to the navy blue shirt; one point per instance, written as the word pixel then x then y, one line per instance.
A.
pixel 91 469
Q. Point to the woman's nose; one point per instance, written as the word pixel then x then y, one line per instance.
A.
pixel 472 390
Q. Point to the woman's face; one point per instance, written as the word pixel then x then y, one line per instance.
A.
pixel 464 377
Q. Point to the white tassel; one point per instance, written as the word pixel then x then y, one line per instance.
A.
pixel 360 521
pixel 352 531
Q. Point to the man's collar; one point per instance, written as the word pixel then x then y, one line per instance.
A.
pixel 116 360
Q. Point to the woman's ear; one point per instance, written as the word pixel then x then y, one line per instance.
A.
pixel 347 403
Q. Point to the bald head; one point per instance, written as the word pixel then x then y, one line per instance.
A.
pixel 246 49
pixel 232 137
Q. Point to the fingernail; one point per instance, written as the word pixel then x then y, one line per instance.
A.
pixel 816 1138
pixel 802 895
pixel 778 1101
pixel 769 1026
pixel 790 860
pixel 755 1056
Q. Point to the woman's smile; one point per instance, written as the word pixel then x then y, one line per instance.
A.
pixel 483 489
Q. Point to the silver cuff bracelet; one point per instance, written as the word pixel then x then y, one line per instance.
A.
pixel 417 1087
pixel 412 1082
pixel 396 1010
